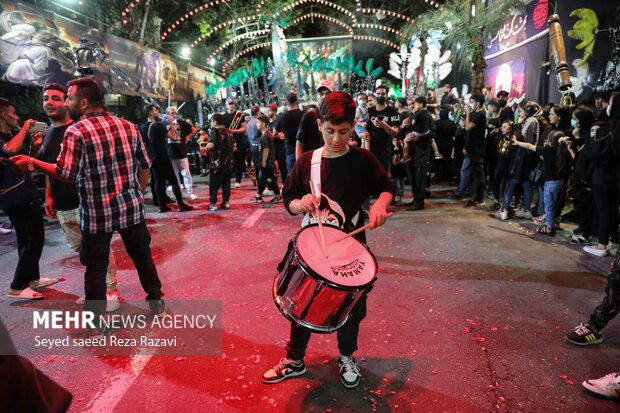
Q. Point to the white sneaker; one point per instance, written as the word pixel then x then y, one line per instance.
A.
pixel 594 250
pixel 523 214
pixel 113 301
pixel 4 231
pixel 349 372
pixel 438 156
pixel 236 185
pixel 607 386
pixel 503 215
pixel 169 188
pixel 192 196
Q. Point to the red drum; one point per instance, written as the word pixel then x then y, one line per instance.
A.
pixel 321 293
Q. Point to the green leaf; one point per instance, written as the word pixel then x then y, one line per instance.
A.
pixel 375 73
pixel 369 64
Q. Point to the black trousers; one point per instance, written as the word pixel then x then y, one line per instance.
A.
pixel 346 335
pixel 280 147
pixel 162 172
pixel 267 179
pixel 27 220
pixel 585 210
pixel 609 308
pixel 501 174
pixel 417 170
pixel 606 202
pixel 239 157
pixel 219 179
pixel 94 254
pixel 256 159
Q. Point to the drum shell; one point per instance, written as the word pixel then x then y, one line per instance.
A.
pixel 314 302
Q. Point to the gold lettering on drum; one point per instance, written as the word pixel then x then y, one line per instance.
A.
pixel 349 270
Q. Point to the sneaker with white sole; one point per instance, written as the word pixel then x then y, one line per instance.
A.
pixel 579 239
pixel 158 307
pixel 503 215
pixel 236 185
pixel 523 214
pixel 285 369
pixel 349 372
pixel 113 301
pixel 4 231
pixel 192 196
pixel 594 250
pixel 607 386
pixel 584 335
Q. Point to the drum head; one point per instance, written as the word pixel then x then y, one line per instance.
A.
pixel 349 264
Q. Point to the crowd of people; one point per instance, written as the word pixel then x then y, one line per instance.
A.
pixel 531 160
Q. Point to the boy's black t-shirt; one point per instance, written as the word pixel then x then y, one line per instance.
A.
pixel 266 142
pixel 346 183
pixel 64 194
pixel 288 123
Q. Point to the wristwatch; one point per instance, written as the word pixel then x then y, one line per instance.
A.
pixel 31 164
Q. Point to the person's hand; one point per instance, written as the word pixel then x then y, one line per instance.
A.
pixel 379 123
pixel 170 120
pixel 464 151
pixel 29 123
pixel 406 122
pixel 577 133
pixel 263 165
pixel 309 203
pixel 467 109
pixel 377 215
pixel 21 162
pixel 49 207
pixel 513 140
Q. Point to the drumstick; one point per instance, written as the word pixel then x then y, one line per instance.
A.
pixel 318 214
pixel 357 231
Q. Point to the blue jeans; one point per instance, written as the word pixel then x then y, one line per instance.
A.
pixel 510 190
pixel 541 200
pixel 290 161
pixel 553 192
pixel 399 186
pixel 473 167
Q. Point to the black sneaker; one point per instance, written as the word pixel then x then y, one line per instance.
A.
pixel 285 369
pixel 158 307
pixel 349 372
pixel 183 207
pixel 277 199
pixel 584 335
pixel 473 202
pixel 457 197
pixel 257 199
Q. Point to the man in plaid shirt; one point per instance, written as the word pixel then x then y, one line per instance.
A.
pixel 106 158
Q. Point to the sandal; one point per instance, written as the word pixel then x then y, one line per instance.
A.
pixel 545 230
pixel 541 220
pixel 25 294
pixel 43 282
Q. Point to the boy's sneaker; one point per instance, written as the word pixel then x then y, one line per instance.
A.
pixel 213 207
pixel 504 215
pixel 607 386
pixel 158 307
pixel 257 199
pixel 584 335
pixel 349 372
pixel 236 185
pixel 523 214
pixel 594 250
pixel 225 205
pixel 285 369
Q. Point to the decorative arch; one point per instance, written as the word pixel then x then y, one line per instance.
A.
pixel 244 52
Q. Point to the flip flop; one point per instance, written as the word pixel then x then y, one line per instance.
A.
pixel 545 230
pixel 43 282
pixel 25 294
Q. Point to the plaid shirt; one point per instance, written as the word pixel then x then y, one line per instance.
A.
pixel 102 154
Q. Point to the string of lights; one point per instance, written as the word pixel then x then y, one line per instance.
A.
pixel 378 40
pixel 188 15
pixel 244 52
pixel 236 39
pixel 379 27
pixel 220 26
pixel 323 17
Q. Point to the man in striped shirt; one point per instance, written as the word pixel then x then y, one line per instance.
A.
pixel 106 158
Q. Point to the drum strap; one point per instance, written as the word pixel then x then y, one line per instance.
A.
pixel 315 171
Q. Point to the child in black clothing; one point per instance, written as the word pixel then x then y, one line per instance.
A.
pixel 349 176
pixel 267 154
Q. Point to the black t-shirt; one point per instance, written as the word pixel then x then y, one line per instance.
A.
pixel 549 158
pixel 346 183
pixel 474 139
pixel 176 145
pixel 288 123
pixel 308 132
pixel 380 140
pixel 266 142
pixel 158 151
pixel 10 176
pixel 422 120
pixel 64 194
pixel 222 150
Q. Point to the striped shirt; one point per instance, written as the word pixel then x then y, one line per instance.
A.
pixel 103 154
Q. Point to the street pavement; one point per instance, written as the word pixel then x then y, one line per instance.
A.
pixel 468 314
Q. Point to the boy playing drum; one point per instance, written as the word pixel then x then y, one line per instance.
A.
pixel 349 176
